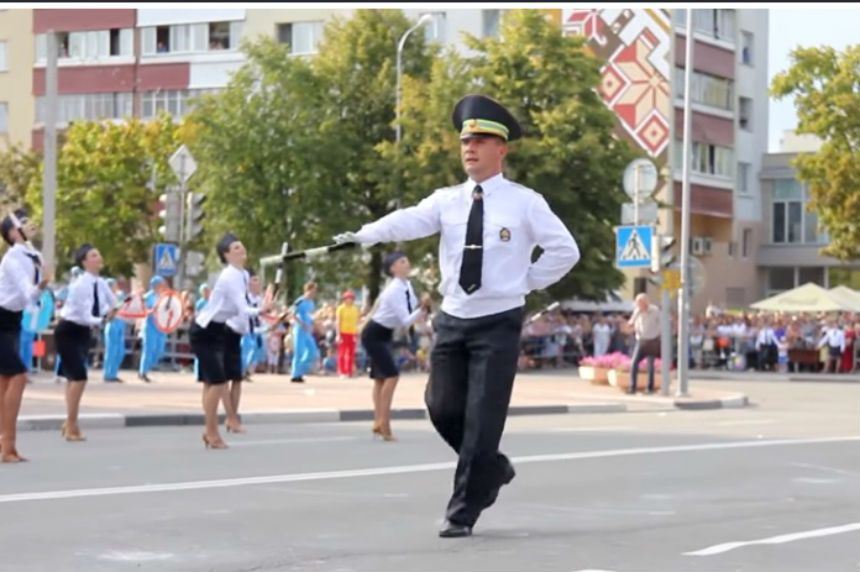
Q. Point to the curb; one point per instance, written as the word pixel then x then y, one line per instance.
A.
pixel 737 401
pixel 120 420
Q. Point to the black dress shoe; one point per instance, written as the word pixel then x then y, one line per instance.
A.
pixel 507 477
pixel 298 380
pixel 144 377
pixel 454 530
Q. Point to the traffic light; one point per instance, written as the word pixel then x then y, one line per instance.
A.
pixel 194 208
pixel 661 255
pixel 168 212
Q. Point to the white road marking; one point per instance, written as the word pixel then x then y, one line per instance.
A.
pixel 781 539
pixel 397 470
pixel 288 441
pixel 119 556
pixel 744 422
pixel 826 469
pixel 595 428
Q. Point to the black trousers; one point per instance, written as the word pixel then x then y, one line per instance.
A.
pixel 472 371
pixel 648 349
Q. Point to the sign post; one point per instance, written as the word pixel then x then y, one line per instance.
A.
pixel 183 165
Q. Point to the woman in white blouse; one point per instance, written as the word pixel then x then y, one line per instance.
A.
pixel 22 280
pixel 90 300
pixel 209 331
pixel 397 307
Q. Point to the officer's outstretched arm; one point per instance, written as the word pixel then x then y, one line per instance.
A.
pixel 411 223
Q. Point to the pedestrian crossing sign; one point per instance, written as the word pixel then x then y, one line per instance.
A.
pixel 165 258
pixel 633 246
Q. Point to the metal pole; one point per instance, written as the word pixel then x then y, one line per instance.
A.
pixel 398 131
pixel 49 187
pixel 637 182
pixel 684 292
pixel 665 340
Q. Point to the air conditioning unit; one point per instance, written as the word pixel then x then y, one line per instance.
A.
pixel 701 245
pixel 697 246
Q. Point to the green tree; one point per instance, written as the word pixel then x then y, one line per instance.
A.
pixel 103 197
pixel 18 167
pixel 568 153
pixel 289 150
pixel 825 85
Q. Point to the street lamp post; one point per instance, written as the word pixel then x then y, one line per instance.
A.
pixel 421 21
pixel 397 129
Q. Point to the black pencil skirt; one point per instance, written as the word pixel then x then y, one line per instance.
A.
pixel 10 343
pixel 73 347
pixel 376 340
pixel 232 355
pixel 208 347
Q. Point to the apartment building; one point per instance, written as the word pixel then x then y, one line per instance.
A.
pixel 16 77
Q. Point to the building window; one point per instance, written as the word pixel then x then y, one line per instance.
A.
pixel 787 212
pixel 812 274
pixel 176 102
pixel 302 37
pixel 490 22
pixel 706 89
pixel 191 38
pixel 435 30
pixel 719 24
pixel 780 279
pixel 88 46
pixel 744 178
pixel 746 242
pixel 708 159
pixel 219 36
pixel 747 48
pixel 745 111
pixel 88 107
pixel 3 57
pixel 4 117
pixel 162 39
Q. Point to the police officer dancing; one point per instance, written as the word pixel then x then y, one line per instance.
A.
pixel 489 228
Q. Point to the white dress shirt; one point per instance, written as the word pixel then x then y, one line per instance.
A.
pixel 516 219
pixel 19 278
pixel 766 337
pixel 240 323
pixel 833 337
pixel 646 325
pixel 393 311
pixel 79 305
pixel 227 299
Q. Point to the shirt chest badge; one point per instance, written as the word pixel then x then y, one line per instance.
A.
pixel 505 235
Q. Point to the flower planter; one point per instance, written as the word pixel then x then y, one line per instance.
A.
pixel 621 379
pixel 596 375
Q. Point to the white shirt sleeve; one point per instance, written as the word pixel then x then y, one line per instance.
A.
pixel 560 251
pixel 21 279
pixel 236 292
pixel 80 303
pixel 410 223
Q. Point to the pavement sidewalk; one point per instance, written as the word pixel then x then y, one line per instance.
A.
pixel 174 399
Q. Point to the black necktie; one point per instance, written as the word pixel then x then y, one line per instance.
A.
pixel 408 301
pixel 96 312
pixel 473 253
pixel 37 262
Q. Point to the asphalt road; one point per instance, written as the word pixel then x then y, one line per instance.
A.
pixel 769 488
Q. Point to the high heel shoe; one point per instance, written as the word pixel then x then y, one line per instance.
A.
pixel 385 433
pixel 213 444
pixel 377 430
pixel 234 428
pixel 63 429
pixel 13 457
pixel 71 437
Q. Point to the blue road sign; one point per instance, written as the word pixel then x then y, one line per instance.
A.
pixel 633 246
pixel 165 259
